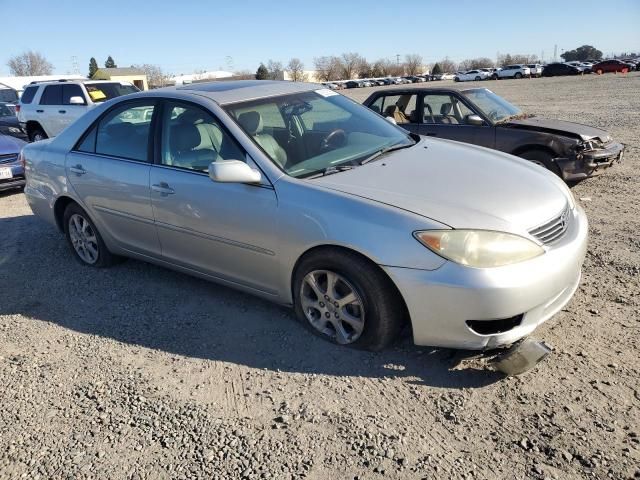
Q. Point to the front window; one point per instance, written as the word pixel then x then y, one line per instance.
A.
pixel 101 92
pixel 493 106
pixel 308 133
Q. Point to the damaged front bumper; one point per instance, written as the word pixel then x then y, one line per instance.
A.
pixel 590 162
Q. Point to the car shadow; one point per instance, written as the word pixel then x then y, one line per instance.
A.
pixel 156 308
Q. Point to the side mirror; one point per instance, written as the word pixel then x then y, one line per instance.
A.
pixel 391 120
pixel 77 101
pixel 474 120
pixel 233 171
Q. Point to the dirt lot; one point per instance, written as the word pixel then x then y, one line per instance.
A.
pixel 138 372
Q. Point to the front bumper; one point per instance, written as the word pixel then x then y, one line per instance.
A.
pixel 440 302
pixel 590 163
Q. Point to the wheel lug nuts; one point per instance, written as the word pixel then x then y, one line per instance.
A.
pixel 322 304
pixel 327 314
pixel 326 297
pixel 337 316
pixel 335 304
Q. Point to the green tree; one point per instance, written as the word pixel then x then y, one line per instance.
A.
pixel 580 54
pixel 262 73
pixel 436 70
pixel 93 67
pixel 110 63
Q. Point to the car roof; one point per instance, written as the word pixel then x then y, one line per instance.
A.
pixel 400 90
pixel 245 90
pixel 73 80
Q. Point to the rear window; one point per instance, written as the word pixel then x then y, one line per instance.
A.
pixel 8 95
pixel 101 92
pixel 28 94
pixel 52 95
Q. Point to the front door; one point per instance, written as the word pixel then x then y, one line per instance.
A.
pixel 444 115
pixel 222 229
pixel 109 170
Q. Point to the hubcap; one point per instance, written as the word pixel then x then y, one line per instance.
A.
pixel 83 238
pixel 332 306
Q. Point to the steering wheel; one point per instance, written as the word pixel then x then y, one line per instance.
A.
pixel 433 119
pixel 335 139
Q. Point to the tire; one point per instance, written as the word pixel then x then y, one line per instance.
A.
pixel 456 79
pixel 477 79
pixel 74 216
pixel 599 71
pixel 517 75
pixel 37 134
pixel 377 305
pixel 494 77
pixel 543 158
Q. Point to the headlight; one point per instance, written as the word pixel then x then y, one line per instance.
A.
pixel 479 248
pixel 14 130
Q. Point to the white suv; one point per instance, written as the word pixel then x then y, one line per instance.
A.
pixel 513 71
pixel 47 108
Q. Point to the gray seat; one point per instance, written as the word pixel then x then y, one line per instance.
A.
pixel 251 122
pixel 184 138
pixel 446 114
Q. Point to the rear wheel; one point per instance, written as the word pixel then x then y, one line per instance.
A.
pixel 347 300
pixel 542 158
pixel 599 71
pixel 36 134
pixel 477 79
pixel 494 76
pixel 518 75
pixel 85 240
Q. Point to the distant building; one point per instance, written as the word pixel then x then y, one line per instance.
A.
pixel 131 75
pixel 201 77
pixel 18 83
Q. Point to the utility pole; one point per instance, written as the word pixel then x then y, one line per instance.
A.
pixel 555 52
pixel 397 58
pixel 74 65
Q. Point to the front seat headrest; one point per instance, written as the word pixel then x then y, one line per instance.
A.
pixel 446 109
pixel 184 137
pixel 251 122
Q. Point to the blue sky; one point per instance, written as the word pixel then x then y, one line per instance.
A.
pixel 186 35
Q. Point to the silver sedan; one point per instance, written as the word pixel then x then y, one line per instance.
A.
pixel 297 194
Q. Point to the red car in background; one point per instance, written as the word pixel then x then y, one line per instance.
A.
pixel 612 66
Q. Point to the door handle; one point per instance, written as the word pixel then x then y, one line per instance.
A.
pixel 39 111
pixel 78 170
pixel 62 111
pixel 162 188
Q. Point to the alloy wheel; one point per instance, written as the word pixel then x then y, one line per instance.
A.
pixel 332 306
pixel 83 239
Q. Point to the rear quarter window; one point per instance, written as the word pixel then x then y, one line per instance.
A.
pixel 28 94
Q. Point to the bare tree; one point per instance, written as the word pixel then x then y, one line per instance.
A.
pixel 475 63
pixel 381 68
pixel 351 63
pixel 155 76
pixel 447 65
pixel 508 59
pixel 275 70
pixel 413 64
pixel 28 64
pixel 327 68
pixel 295 67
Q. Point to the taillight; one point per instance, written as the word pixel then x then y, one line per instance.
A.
pixel 17 108
pixel 21 159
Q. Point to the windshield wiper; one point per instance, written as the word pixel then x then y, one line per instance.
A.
pixel 331 170
pixel 383 151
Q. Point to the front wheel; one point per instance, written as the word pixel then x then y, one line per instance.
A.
pixel 542 158
pixel 85 240
pixel 345 299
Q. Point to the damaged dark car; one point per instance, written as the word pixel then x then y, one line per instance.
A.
pixel 571 150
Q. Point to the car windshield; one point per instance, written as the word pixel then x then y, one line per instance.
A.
pixel 493 106
pixel 101 92
pixel 319 131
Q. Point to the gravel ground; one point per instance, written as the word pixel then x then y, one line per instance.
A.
pixel 138 372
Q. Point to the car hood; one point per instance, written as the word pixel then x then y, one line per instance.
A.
pixel 10 145
pixel 459 185
pixel 570 129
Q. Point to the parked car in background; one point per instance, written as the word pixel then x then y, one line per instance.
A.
pixel 11 167
pixel 47 108
pixel 583 67
pixel 353 84
pixel 9 124
pixel 608 66
pixel 512 71
pixel 559 69
pixel 479 116
pixel 535 69
pixel 308 199
pixel 471 75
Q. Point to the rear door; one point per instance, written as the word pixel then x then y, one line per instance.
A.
pixel 402 107
pixel 444 115
pixel 109 170
pixel 47 112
